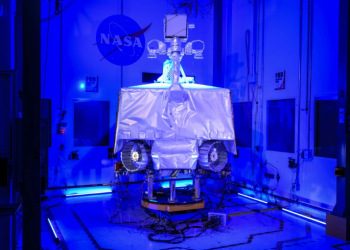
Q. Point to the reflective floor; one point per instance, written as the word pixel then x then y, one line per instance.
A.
pixel 110 222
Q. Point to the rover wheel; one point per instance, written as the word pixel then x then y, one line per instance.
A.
pixel 136 155
pixel 212 155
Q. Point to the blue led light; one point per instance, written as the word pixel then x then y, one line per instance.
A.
pixel 167 85
pixel 88 191
pixel 303 216
pixel 72 195
pixel 182 183
pixel 82 85
pixel 252 198
pixel 53 230
pixel 283 209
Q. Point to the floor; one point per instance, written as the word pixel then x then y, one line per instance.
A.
pixel 109 221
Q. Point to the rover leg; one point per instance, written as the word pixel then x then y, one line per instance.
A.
pixel 150 186
pixel 197 186
pixel 172 197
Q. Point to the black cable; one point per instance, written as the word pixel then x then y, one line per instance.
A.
pixel 17 236
pixel 247 48
pixel 193 8
pixel 208 204
pixel 167 231
pixel 54 15
pixel 162 229
pixel 221 204
pixel 55 172
pixel 278 177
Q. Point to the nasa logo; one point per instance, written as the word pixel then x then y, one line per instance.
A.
pixel 120 40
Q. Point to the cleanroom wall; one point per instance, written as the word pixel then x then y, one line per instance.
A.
pixel 70 54
pixel 264 39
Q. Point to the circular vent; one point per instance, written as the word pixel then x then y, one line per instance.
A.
pixel 136 155
pixel 212 156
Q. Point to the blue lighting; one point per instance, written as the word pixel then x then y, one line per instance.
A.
pixel 82 85
pixel 303 216
pixel 252 198
pixel 182 183
pixel 167 85
pixel 53 230
pixel 73 195
pixel 283 209
pixel 88 191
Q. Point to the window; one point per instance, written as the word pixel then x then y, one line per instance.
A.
pixel 281 125
pixel 91 123
pixel 150 77
pixel 326 116
pixel 153 77
pixel 242 113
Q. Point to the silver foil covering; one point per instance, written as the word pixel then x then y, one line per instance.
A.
pixel 175 154
pixel 176 128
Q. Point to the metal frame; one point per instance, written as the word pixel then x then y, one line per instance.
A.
pixel 342 207
pixel 11 160
pixel 31 124
pixel 338 222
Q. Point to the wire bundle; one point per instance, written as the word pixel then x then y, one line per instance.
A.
pixel 179 232
pixel 193 8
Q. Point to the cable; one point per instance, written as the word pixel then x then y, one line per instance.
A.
pixel 293 196
pixel 17 235
pixel 165 230
pixel 55 172
pixel 251 89
pixel 247 47
pixel 221 204
pixel 248 110
pixel 277 175
pixel 171 229
pixel 55 15
pixel 193 8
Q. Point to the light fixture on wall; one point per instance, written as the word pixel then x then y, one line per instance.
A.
pixel 74 195
pixel 53 230
pixel 252 198
pixel 88 191
pixel 286 210
pixel 303 216
pixel 181 183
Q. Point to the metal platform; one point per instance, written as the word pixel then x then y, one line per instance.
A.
pixel 171 207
